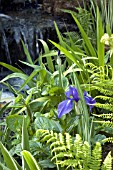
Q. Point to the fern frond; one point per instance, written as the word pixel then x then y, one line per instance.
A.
pixel 68 140
pixel 41 133
pixel 52 139
pixel 104 115
pixel 96 157
pixel 91 65
pixel 60 148
pixel 104 91
pixel 54 144
pixel 110 139
pixel 106 106
pixel 105 123
pixel 106 98
pixel 70 163
pixel 86 155
pixel 47 137
pixel 63 154
pixel 73 153
pixel 107 164
pixel 61 138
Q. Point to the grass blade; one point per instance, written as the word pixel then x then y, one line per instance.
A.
pixel 12 68
pixel 49 58
pixel 27 53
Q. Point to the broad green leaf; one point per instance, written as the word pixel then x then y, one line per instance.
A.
pixel 33 165
pixel 14 122
pixel 47 164
pixel 56 90
pixel 8 158
pixel 42 122
pixel 25 137
pixel 41 99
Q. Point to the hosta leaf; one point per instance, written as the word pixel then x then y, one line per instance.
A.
pixel 46 123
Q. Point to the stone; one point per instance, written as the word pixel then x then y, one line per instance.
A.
pixel 54 7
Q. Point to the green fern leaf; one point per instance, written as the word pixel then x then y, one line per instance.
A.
pixel 96 157
pixel 59 148
pixel 55 144
pixel 107 164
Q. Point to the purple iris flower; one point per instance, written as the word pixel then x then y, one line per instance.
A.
pixel 89 100
pixel 67 105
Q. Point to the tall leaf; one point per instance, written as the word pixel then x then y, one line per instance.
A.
pixel 67 53
pixel 11 68
pixel 8 158
pixel 33 165
pixel 100 46
pixel 49 58
pixel 25 142
pixel 59 35
pixel 85 37
pixel 27 53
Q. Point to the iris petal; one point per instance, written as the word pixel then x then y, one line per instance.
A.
pixel 89 101
pixel 72 93
pixel 65 107
pixel 75 93
pixel 68 94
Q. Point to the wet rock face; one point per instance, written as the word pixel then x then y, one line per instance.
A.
pixel 25 19
pixel 15 5
pixel 30 25
pixel 54 7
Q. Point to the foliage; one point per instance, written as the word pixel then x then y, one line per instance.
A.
pixel 69 151
pixel 11 162
pixel 81 65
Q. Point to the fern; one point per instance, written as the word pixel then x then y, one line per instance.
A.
pixel 107 164
pixel 96 157
pixel 68 151
pixel 101 83
pixel 110 139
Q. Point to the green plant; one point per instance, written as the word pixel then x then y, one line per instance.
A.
pixel 68 151
pixel 106 13
pixel 12 163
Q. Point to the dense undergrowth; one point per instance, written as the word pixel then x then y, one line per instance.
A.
pixel 65 116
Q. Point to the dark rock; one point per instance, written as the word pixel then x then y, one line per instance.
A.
pixel 28 25
pixel 54 7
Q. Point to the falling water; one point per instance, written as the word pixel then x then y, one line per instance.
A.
pixel 30 25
